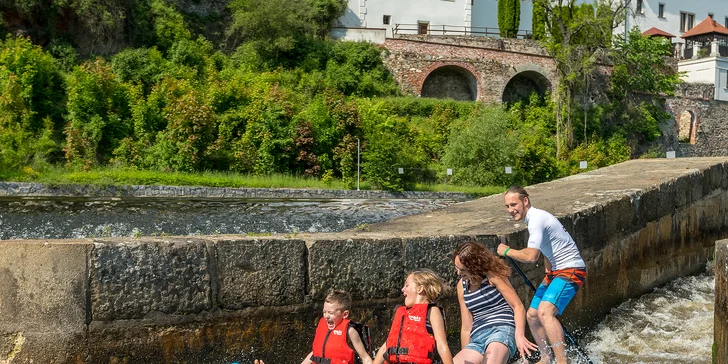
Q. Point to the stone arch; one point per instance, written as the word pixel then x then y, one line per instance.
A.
pixel 523 84
pixel 686 127
pixel 450 81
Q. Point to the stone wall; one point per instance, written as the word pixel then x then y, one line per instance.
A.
pixel 215 299
pixel 699 129
pixel 720 327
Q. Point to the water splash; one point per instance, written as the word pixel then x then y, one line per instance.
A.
pixel 673 324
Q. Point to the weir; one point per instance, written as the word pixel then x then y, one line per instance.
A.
pixel 217 299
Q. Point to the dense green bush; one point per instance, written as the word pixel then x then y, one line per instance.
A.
pixel 479 150
pixel 98 114
pixel 30 103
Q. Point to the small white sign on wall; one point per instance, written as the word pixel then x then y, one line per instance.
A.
pixel 509 170
pixel 670 154
pixel 449 171
pixel 401 170
pixel 582 164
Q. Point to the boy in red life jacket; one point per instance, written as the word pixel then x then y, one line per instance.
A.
pixel 334 336
pixel 417 335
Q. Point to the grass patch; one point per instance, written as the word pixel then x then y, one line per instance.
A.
pixel 107 176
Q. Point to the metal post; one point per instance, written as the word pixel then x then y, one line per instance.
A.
pixel 358 163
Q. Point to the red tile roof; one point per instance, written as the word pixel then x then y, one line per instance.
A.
pixel 708 26
pixel 657 32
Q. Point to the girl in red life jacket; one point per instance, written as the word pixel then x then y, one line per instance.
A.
pixel 334 336
pixel 417 335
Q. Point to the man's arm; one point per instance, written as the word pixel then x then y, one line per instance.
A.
pixel 525 255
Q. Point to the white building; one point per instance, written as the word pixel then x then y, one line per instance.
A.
pixel 474 16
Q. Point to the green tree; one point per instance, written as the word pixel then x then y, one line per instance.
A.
pixel 282 32
pixel 31 103
pixel 538 21
pixel 479 150
pixel 98 114
pixel 509 17
pixel 577 36
pixel 640 65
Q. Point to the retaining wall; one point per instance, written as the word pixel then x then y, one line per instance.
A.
pixel 217 299
pixel 720 327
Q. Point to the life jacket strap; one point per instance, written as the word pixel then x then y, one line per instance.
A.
pixel 397 350
pixel 320 360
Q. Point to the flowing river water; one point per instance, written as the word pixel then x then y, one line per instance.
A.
pixel 673 324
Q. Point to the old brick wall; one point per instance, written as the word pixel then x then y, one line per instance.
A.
pixel 700 126
pixel 414 58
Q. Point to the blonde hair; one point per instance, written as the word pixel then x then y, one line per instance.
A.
pixel 432 284
pixel 341 298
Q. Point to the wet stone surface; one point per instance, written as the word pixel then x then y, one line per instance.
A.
pixel 78 217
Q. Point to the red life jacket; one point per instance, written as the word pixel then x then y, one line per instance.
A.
pixel 409 341
pixel 331 346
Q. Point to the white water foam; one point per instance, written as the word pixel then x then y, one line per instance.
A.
pixel 673 324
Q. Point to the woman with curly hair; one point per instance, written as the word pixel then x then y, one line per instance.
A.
pixel 493 317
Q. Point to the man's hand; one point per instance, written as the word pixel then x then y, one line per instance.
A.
pixel 502 249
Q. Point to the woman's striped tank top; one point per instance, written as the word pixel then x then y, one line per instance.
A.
pixel 488 307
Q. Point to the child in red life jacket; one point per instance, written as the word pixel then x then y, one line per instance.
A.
pixel 418 335
pixel 335 340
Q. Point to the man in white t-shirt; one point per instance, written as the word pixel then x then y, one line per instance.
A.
pixel 565 271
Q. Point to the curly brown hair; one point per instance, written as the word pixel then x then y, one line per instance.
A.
pixel 479 261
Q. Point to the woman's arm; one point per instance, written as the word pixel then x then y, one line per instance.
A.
pixel 359 346
pixel 519 313
pixel 438 329
pixel 466 318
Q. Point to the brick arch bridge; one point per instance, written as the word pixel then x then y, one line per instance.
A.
pixel 469 68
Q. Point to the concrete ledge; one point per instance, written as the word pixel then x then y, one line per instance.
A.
pixel 720 327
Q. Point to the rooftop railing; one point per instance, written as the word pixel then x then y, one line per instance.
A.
pixel 427 29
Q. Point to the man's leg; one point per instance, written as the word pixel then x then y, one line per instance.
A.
pixel 553 302
pixel 539 335
pixel 547 316
pixel 537 330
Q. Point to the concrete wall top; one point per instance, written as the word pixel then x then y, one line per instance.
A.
pixel 638 181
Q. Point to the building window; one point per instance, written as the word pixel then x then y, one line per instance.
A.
pixel 422 27
pixel 661 11
pixel 639 9
pixel 726 21
pixel 710 15
pixel 386 19
pixel 686 21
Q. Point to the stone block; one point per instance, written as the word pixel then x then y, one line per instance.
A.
pixel 366 268
pixel 42 300
pixel 588 228
pixel 274 334
pixel 434 252
pixel 260 272
pixel 130 279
